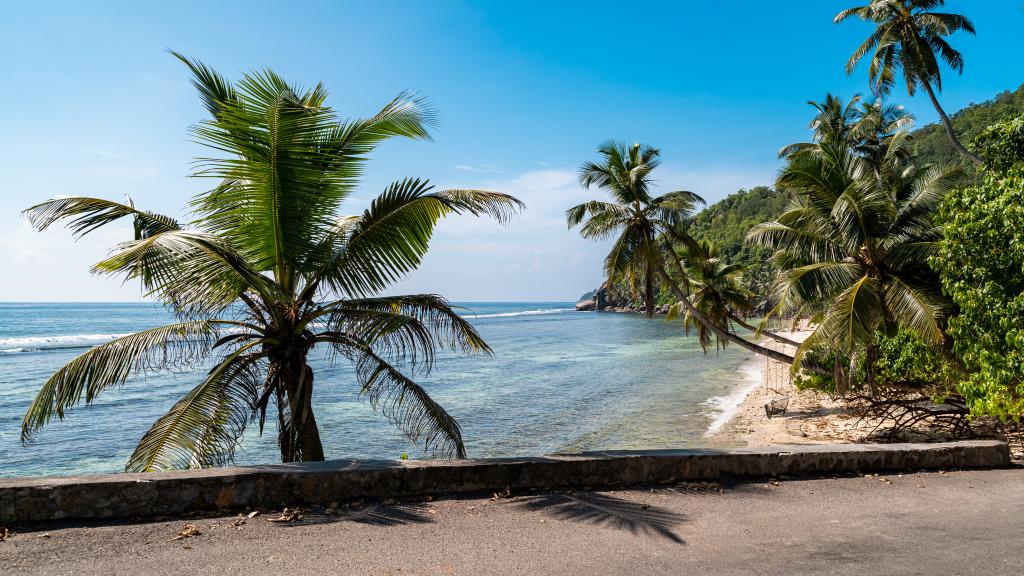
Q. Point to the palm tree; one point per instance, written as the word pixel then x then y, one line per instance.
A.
pixel 853 248
pixel 643 227
pixel 635 217
pixel 268 270
pixel 870 129
pixel 717 290
pixel 910 38
pixel 834 121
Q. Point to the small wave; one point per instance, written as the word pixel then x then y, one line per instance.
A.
pixel 523 313
pixel 725 407
pixel 36 343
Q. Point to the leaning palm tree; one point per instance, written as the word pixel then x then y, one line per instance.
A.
pixel 853 248
pixel 716 290
pixel 910 38
pixel 268 270
pixel 643 227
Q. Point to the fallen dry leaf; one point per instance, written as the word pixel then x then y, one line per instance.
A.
pixel 187 531
pixel 238 523
pixel 289 515
pixel 5 534
pixel 253 514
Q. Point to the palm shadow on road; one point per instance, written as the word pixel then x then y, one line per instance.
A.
pixel 372 515
pixel 606 510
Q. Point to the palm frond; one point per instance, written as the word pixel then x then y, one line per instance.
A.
pixel 111 364
pixel 203 429
pixel 406 329
pixel 87 214
pixel 409 406
pixel 196 272
pixel 392 236
pixel 214 90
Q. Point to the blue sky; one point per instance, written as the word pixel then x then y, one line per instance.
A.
pixel 93 105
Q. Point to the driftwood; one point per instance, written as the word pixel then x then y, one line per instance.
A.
pixel 896 411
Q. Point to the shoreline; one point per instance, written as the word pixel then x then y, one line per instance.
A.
pixel 810 417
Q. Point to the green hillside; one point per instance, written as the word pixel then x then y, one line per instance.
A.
pixel 727 222
pixel 931 144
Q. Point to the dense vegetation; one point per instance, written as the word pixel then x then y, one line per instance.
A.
pixel 929 143
pixel 726 223
pixel 981 262
pixel 903 248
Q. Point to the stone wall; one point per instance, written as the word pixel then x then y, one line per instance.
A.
pixel 166 493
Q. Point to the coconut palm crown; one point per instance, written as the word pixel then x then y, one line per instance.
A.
pixel 268 269
pixel 716 289
pixel 852 248
pixel 635 218
pixel 910 39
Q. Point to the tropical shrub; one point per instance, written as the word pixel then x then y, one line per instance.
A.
pixel 1001 145
pixel 981 265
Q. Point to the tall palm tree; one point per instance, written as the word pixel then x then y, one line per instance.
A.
pixel 910 38
pixel 268 270
pixel 643 226
pixel 853 248
pixel 635 217
pixel 870 129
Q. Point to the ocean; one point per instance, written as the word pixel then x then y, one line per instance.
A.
pixel 559 381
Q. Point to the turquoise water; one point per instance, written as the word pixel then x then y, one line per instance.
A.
pixel 559 381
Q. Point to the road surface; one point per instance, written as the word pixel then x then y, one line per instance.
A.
pixel 968 522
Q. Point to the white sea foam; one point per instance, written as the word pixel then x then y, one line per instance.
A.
pixel 725 407
pixel 33 343
pixel 523 313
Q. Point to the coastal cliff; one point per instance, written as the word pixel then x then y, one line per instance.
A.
pixel 604 300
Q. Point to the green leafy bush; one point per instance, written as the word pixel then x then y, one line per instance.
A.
pixel 981 265
pixel 1001 145
pixel 907 361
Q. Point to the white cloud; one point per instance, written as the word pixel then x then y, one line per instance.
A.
pixel 476 169
pixel 50 265
pixel 535 257
pixel 102 153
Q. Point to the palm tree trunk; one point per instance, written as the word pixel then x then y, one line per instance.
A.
pixel 300 398
pixel 871 357
pixel 721 333
pixel 649 292
pixel 949 125
pixel 780 339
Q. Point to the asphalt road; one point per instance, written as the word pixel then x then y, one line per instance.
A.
pixel 969 522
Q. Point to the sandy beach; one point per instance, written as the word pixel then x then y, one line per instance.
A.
pixel 810 418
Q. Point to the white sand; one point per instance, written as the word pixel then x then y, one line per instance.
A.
pixel 810 417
